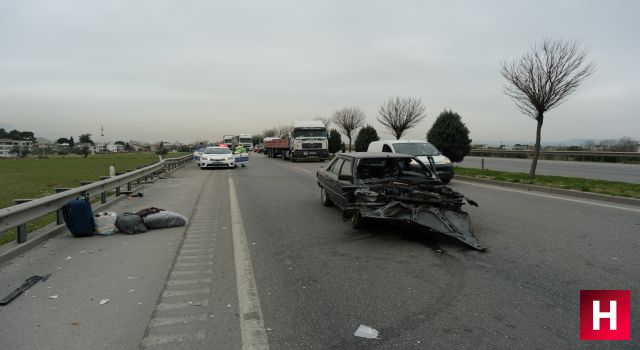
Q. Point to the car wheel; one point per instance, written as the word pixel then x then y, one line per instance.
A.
pixel 325 198
pixel 357 221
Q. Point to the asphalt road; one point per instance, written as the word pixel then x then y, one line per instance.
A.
pixel 588 170
pixel 317 279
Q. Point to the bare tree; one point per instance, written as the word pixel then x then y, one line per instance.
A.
pixel 543 79
pixel 325 121
pixel 627 144
pixel 272 132
pixel 284 130
pixel 348 119
pixel 399 115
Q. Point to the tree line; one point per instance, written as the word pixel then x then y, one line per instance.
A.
pixel 397 115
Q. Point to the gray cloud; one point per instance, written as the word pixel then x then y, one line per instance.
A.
pixel 194 70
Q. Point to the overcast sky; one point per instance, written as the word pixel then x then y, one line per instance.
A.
pixel 193 70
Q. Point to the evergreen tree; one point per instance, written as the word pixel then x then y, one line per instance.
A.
pixel 335 141
pixel 366 135
pixel 450 135
pixel 71 142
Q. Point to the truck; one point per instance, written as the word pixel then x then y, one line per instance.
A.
pixel 228 140
pixel 308 140
pixel 245 140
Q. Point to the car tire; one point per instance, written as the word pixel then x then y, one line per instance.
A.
pixel 358 222
pixel 324 198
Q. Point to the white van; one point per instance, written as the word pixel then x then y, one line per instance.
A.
pixel 421 149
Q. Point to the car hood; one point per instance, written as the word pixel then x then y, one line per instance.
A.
pixel 436 159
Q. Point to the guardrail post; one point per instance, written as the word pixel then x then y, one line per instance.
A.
pixel 59 218
pixel 103 195
pixel 22 228
pixel 482 163
pixel 118 188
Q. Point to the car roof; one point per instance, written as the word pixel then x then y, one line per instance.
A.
pixel 361 155
pixel 401 141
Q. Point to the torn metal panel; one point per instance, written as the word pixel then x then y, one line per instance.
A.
pixel 424 205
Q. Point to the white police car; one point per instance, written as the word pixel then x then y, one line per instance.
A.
pixel 216 157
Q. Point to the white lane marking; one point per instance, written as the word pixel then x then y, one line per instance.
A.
pixel 165 321
pixel 186 257
pixel 254 335
pixel 191 272
pixel 305 170
pixel 548 196
pixel 181 305
pixel 172 338
pixel 203 250
pixel 191 264
pixel 193 281
pixel 178 293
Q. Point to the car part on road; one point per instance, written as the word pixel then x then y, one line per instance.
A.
pixel 366 332
pixel 28 283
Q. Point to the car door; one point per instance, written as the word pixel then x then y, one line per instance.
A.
pixel 345 184
pixel 330 181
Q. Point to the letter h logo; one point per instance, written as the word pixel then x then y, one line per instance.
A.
pixel 605 315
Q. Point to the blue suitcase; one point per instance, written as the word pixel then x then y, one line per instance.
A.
pixel 78 216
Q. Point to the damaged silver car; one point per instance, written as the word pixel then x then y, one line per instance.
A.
pixel 395 188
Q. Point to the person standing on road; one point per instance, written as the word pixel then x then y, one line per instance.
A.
pixel 241 153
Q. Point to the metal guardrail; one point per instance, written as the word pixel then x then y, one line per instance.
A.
pixel 27 210
pixel 559 154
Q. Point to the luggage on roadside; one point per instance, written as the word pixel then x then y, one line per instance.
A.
pixel 130 223
pixel 164 219
pixel 78 216
pixel 105 223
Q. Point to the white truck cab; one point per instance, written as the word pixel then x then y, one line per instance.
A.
pixel 419 148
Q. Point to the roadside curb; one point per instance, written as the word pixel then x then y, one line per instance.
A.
pixel 537 188
pixel 52 230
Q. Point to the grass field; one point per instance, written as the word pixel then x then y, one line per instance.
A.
pixel 36 177
pixel 613 188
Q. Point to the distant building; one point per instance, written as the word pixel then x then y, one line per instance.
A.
pixel 6 145
pixel 115 147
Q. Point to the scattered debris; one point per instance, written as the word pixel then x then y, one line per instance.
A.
pixel 75 323
pixel 55 296
pixel 139 194
pixel 68 258
pixel 131 290
pixel 228 305
pixel 28 283
pixel 104 301
pixel 366 332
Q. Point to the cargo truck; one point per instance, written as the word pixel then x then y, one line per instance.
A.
pixel 228 140
pixel 307 141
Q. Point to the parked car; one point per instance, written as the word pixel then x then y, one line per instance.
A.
pixel 396 188
pixel 421 149
pixel 216 156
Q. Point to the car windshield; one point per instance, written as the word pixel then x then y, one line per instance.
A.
pixel 310 132
pixel 390 168
pixel 217 150
pixel 243 140
pixel 417 149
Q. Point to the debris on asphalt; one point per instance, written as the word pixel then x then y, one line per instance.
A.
pixel 75 323
pixel 131 290
pixel 104 301
pixel 55 296
pixel 68 258
pixel 366 332
pixel 28 283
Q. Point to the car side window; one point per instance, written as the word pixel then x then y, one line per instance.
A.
pixel 346 170
pixel 386 148
pixel 336 166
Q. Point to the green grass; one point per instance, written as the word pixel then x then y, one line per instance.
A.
pixel 32 178
pixel 612 188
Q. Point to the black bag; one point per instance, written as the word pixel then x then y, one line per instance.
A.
pixel 78 216
pixel 130 223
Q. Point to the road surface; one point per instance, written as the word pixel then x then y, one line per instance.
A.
pixel 264 263
pixel 588 170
